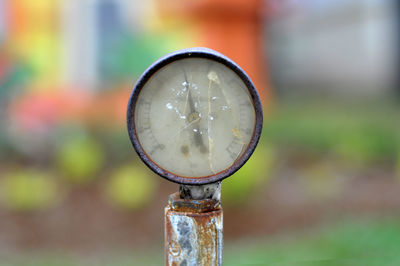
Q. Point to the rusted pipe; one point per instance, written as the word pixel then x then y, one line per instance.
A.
pixel 193 231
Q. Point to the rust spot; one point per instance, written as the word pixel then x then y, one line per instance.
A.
pixel 176 203
pixel 185 150
pixel 175 249
pixel 237 133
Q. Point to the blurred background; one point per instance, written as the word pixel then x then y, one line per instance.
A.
pixel 323 187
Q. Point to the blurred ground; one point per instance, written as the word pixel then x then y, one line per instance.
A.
pixel 372 241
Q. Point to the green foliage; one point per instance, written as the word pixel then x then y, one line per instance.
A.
pixel 79 159
pixel 237 188
pixel 367 144
pixel 346 243
pixel 131 187
pixel 28 190
pixel 359 134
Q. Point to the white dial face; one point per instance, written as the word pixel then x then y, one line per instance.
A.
pixel 194 117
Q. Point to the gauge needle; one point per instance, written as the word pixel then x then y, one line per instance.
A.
pixel 194 118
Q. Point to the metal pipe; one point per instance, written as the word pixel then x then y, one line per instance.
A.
pixel 193 231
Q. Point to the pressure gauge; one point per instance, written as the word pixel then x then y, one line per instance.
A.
pixel 194 117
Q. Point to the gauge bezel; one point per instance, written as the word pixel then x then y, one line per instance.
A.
pixel 197 52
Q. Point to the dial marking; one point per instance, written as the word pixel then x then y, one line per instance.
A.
pixel 248 131
pixel 156 148
pixel 143 128
pixel 145 104
pixel 235 148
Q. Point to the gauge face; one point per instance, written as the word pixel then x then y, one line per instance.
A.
pixel 193 118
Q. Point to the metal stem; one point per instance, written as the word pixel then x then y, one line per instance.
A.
pixel 194 227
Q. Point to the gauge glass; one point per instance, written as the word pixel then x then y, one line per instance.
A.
pixel 194 117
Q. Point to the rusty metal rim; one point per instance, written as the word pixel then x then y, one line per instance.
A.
pixel 198 52
pixel 214 212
